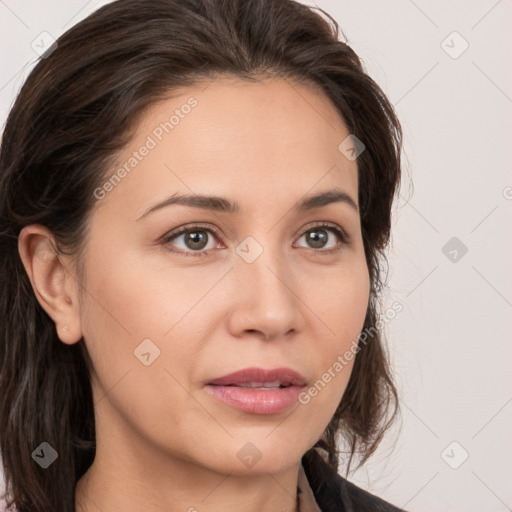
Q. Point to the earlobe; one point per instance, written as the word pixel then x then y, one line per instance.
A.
pixel 55 288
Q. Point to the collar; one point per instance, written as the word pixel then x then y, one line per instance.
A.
pixel 307 498
pixel 328 487
pixel 333 493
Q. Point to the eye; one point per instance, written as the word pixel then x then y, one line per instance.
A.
pixel 318 237
pixel 196 238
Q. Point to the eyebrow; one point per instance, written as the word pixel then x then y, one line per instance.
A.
pixel 221 204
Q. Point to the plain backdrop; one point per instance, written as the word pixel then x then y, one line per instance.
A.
pixel 446 67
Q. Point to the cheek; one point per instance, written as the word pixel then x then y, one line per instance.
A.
pixel 343 309
pixel 128 302
pixel 130 294
pixel 126 315
pixel 341 305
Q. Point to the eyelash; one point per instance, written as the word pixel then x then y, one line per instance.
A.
pixel 344 238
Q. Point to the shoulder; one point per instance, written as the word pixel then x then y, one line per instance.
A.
pixel 334 493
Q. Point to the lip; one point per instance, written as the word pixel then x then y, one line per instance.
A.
pixel 228 389
pixel 260 375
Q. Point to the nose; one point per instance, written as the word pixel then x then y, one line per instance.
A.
pixel 266 295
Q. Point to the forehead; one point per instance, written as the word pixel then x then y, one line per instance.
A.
pixel 245 139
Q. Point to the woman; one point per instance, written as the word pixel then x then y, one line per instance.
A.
pixel 195 199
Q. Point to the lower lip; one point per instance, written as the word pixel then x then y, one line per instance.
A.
pixel 256 401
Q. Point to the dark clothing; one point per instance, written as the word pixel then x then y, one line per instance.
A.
pixel 333 493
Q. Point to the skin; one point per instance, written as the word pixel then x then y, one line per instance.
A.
pixel 163 443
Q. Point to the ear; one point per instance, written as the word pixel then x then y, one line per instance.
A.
pixel 54 285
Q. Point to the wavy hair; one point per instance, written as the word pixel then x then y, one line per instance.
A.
pixel 76 110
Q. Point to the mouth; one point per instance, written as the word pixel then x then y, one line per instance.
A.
pixel 258 391
pixel 259 385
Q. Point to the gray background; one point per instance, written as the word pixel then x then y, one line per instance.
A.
pixel 450 345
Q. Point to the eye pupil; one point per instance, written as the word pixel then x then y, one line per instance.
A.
pixel 196 237
pixel 318 238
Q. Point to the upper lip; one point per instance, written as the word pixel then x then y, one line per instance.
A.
pixel 283 375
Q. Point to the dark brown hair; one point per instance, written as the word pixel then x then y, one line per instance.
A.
pixel 76 110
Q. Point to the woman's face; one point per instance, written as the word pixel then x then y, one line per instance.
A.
pixel 263 287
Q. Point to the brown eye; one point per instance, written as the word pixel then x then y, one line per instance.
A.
pixel 194 240
pixel 320 236
pixel 317 238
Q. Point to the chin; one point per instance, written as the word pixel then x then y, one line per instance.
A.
pixel 260 456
